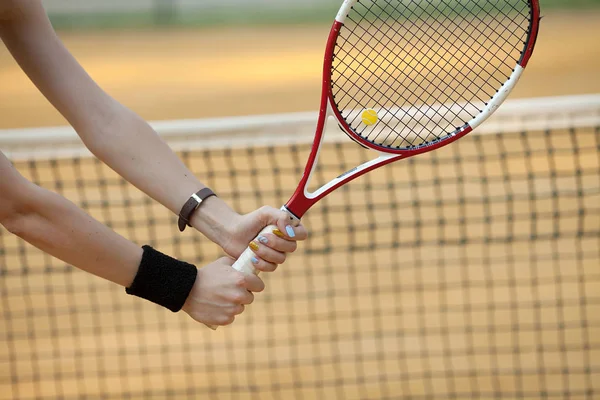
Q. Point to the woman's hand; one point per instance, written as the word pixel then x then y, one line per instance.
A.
pixel 270 249
pixel 220 293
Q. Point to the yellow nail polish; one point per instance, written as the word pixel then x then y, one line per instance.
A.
pixel 253 246
pixel 277 232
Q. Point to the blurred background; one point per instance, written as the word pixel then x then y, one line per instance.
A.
pixel 193 59
pixel 468 272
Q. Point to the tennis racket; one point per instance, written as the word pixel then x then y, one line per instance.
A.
pixel 405 77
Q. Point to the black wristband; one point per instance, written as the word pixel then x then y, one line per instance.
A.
pixel 163 280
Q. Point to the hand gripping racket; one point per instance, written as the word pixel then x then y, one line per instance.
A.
pixel 405 77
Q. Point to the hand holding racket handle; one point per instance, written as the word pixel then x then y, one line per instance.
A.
pixel 244 263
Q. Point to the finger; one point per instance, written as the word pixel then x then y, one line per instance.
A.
pixel 300 232
pixel 288 226
pixel 277 243
pixel 249 299
pixel 286 222
pixel 241 295
pixel 237 310
pixel 225 320
pixel 266 253
pixel 288 231
pixel 273 216
pixel 262 265
pixel 254 283
pixel 220 319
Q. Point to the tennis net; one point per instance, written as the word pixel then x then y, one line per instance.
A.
pixel 469 272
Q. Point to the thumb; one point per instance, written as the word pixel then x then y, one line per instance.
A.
pixel 282 220
pixel 272 216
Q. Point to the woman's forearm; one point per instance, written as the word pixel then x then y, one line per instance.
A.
pixel 113 133
pixel 56 226
pixel 213 295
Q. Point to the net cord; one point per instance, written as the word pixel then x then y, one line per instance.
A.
pixel 238 132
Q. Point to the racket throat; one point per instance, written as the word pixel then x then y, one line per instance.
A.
pixel 302 199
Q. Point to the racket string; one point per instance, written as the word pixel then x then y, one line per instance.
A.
pixel 493 53
pixel 430 37
pixel 425 90
pixel 427 67
pixel 411 92
pixel 397 44
pixel 450 123
pixel 480 44
pixel 366 94
pixel 401 94
pixel 436 32
pixel 414 94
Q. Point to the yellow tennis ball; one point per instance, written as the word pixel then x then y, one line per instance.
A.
pixel 369 117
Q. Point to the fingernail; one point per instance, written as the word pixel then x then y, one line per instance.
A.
pixel 253 246
pixel 254 260
pixel 263 240
pixel 277 232
pixel 290 231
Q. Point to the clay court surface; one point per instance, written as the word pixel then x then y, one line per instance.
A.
pixel 315 333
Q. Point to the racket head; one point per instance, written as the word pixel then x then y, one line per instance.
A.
pixel 407 76
pixel 410 121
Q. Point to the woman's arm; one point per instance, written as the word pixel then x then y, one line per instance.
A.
pixel 55 225
pixel 123 140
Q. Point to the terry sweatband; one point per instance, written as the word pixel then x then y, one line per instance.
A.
pixel 163 280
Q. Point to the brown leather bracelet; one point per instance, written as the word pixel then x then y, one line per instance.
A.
pixel 192 205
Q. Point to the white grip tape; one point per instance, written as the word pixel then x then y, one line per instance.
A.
pixel 244 263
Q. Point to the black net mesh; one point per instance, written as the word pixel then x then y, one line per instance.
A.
pixel 469 272
pixel 424 68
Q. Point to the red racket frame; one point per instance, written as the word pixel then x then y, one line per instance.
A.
pixel 299 203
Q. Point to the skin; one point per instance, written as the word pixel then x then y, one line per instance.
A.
pixel 127 144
